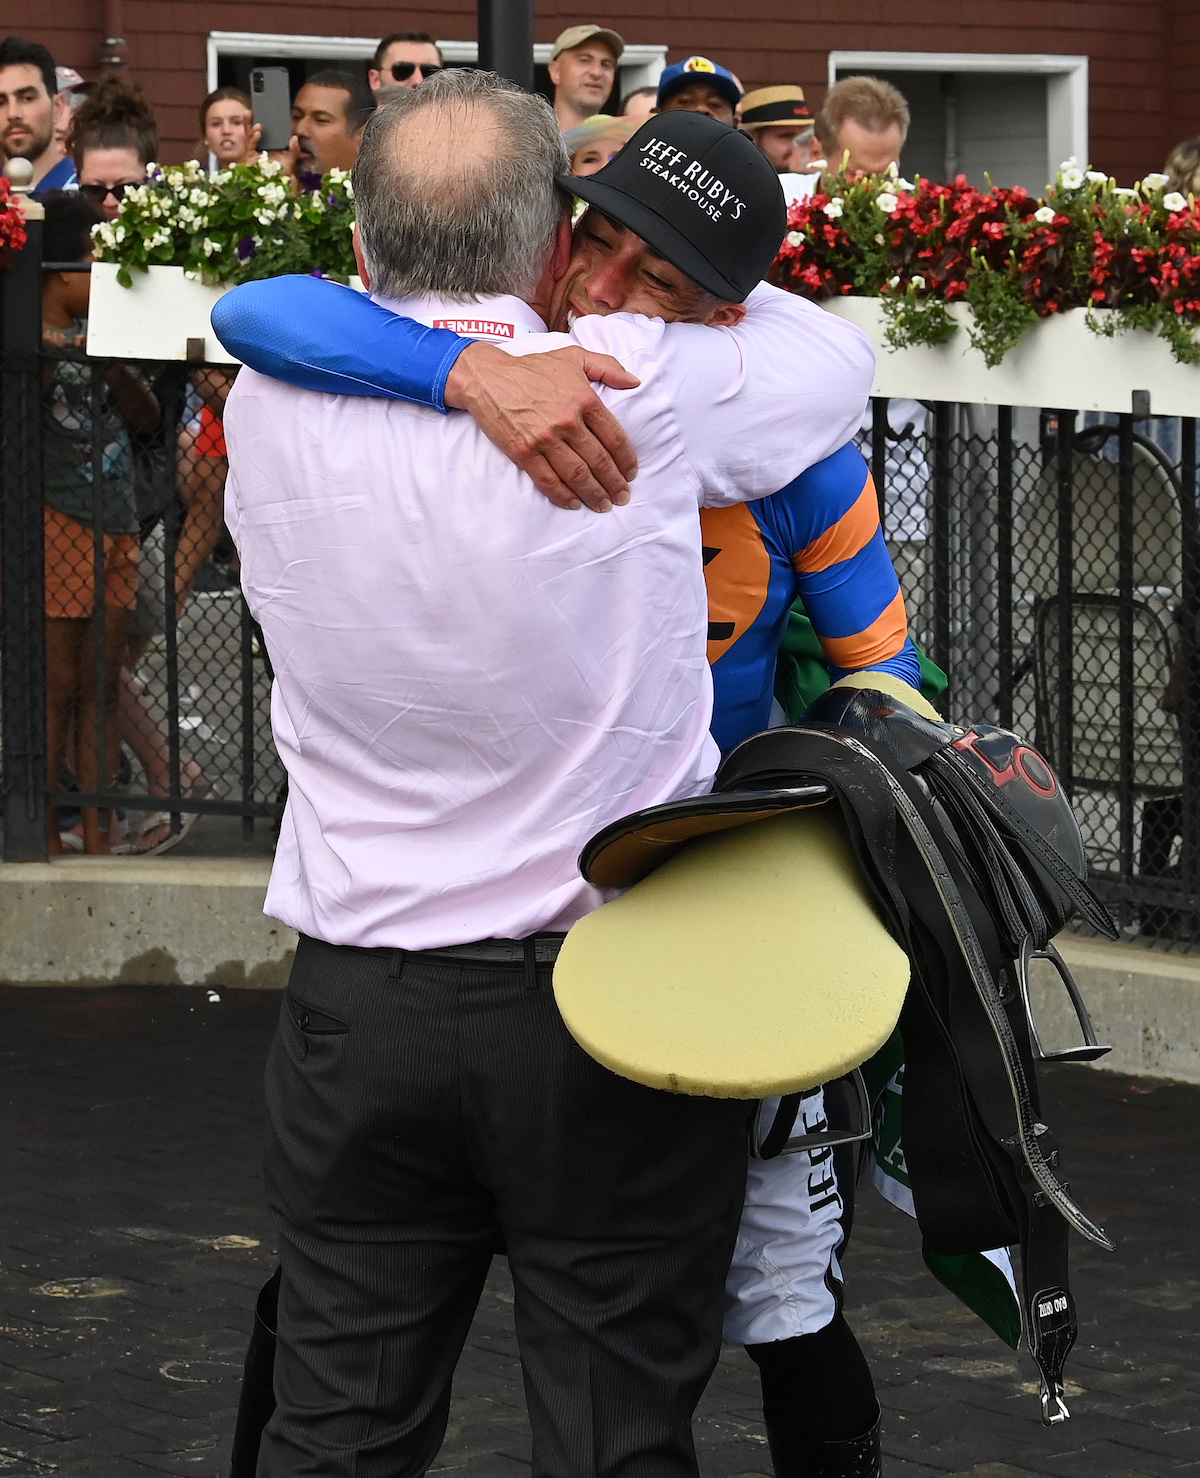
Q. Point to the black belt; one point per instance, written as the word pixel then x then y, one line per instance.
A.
pixel 525 954
pixel 540 949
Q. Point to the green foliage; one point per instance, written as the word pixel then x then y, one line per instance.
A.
pixel 243 224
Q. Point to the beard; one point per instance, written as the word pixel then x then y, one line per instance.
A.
pixel 26 141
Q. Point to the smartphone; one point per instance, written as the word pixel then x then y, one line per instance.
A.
pixel 270 95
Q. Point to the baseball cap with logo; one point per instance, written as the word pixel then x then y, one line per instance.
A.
pixel 575 36
pixel 698 69
pixel 775 107
pixel 701 195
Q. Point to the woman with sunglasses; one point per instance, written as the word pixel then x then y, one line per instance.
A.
pixel 113 138
pixel 404 59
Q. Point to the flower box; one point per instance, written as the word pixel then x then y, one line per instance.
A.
pixel 156 317
pixel 153 319
pixel 1059 363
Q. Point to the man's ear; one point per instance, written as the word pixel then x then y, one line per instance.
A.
pixel 555 70
pixel 817 152
pixel 560 259
pixel 358 257
pixel 726 315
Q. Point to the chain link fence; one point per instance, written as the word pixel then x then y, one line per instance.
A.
pixel 1049 562
pixel 136 688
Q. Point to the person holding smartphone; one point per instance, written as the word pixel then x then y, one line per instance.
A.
pixel 227 128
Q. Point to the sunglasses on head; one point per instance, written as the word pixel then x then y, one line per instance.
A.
pixel 98 194
pixel 402 71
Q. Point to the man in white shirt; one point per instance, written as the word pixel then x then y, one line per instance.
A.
pixel 469 683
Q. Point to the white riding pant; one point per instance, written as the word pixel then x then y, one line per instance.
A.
pixel 785 1279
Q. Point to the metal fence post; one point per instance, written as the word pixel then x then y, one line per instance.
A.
pixel 940 543
pixel 1189 706
pixel 1125 672
pixel 1004 565
pixel 1066 584
pixel 22 571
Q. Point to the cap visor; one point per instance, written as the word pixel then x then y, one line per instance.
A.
pixel 669 242
pixel 631 848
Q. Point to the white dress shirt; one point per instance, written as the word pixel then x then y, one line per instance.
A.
pixel 470 682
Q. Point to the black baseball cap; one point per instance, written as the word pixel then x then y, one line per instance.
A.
pixel 702 195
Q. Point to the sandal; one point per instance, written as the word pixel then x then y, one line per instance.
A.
pixel 156 821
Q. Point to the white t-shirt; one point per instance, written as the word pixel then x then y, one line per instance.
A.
pixel 470 682
pixel 797 187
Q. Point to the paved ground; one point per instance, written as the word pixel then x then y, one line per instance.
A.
pixel 132 1241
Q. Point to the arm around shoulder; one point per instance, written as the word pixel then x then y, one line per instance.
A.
pixel 759 403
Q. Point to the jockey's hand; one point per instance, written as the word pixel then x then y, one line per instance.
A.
pixel 541 411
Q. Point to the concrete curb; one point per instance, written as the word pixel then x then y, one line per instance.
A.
pixel 199 921
pixel 141 921
pixel 1143 1002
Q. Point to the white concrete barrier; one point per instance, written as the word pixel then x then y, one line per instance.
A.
pixel 199 921
pixel 141 921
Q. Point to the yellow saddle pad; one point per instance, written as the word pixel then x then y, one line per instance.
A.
pixel 750 963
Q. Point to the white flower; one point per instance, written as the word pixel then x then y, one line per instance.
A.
pixel 1123 190
pixel 160 237
pixel 1155 181
pixel 1097 177
pixel 264 217
pixel 835 208
pixel 1174 201
pixel 879 238
pixel 273 193
pixel 271 167
pixel 892 170
pixel 1044 214
pixel 886 202
pixel 349 189
pixel 187 216
pixel 222 177
pixel 1067 164
pixel 316 200
pixel 906 185
pixel 200 197
pixel 794 238
pixel 192 276
pixel 336 175
pixel 894 281
pixel 118 232
pixel 208 246
pixel 918 281
pixel 1071 179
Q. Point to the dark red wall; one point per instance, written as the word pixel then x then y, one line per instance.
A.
pixel 1145 54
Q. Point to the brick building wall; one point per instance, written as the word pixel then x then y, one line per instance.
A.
pixel 1144 54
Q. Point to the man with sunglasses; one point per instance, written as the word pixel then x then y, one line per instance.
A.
pixel 403 59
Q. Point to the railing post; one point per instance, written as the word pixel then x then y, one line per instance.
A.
pixel 879 439
pixel 1189 707
pixel 1004 565
pixel 1066 589
pixel 1125 673
pixel 941 537
pixel 22 538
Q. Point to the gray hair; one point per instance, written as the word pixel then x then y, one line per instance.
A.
pixel 458 214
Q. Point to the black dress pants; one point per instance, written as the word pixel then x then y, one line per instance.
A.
pixel 424 1114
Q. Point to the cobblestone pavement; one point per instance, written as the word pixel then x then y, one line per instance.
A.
pixel 133 1239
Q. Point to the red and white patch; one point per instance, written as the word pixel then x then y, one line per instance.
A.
pixel 478 328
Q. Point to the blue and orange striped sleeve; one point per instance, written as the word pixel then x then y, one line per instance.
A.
pixel 843 569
